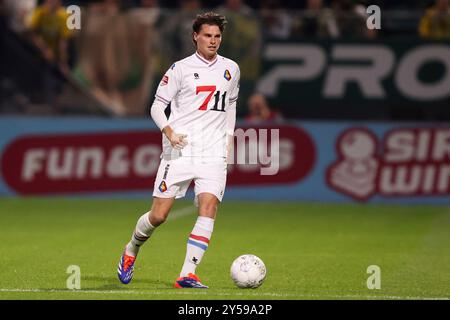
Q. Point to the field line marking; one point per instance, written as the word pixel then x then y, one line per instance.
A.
pixel 262 294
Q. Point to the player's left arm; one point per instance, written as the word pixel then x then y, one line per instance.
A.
pixel 231 112
pixel 167 90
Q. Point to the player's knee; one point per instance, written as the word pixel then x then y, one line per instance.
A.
pixel 160 211
pixel 208 210
pixel 157 218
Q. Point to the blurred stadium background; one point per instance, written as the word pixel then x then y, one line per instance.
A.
pixel 363 118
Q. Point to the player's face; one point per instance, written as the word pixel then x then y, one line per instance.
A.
pixel 208 40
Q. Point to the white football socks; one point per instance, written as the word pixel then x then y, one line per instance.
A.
pixel 197 244
pixel 142 232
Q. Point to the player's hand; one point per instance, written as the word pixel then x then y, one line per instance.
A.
pixel 178 141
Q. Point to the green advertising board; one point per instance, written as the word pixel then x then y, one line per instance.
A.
pixel 347 78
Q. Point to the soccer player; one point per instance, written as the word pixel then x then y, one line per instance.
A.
pixel 202 90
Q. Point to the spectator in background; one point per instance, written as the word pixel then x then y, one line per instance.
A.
pixel 435 24
pixel 260 111
pixel 115 57
pixel 276 22
pixel 100 57
pixel 175 28
pixel 351 19
pixel 148 12
pixel 316 21
pixel 243 38
pixel 50 33
pixel 19 13
pixel 145 39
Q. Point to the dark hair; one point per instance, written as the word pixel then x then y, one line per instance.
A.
pixel 210 18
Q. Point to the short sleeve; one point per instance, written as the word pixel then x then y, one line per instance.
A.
pixel 235 86
pixel 169 85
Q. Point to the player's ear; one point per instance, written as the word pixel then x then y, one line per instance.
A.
pixel 195 36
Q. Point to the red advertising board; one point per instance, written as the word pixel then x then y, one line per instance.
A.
pixel 128 161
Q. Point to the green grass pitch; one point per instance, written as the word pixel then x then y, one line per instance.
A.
pixel 312 251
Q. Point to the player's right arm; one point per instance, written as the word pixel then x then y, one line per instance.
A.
pixel 157 112
pixel 167 90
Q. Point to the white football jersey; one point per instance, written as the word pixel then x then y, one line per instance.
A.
pixel 199 92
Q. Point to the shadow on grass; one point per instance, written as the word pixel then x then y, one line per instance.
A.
pixel 113 283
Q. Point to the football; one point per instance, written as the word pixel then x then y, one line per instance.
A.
pixel 248 271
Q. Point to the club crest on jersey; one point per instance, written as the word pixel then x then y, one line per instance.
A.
pixel 164 81
pixel 196 76
pixel 163 186
pixel 227 75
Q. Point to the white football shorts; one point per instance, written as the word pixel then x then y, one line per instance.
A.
pixel 175 176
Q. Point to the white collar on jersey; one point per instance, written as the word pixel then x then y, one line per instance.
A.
pixel 209 63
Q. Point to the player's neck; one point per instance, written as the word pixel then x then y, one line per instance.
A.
pixel 210 59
